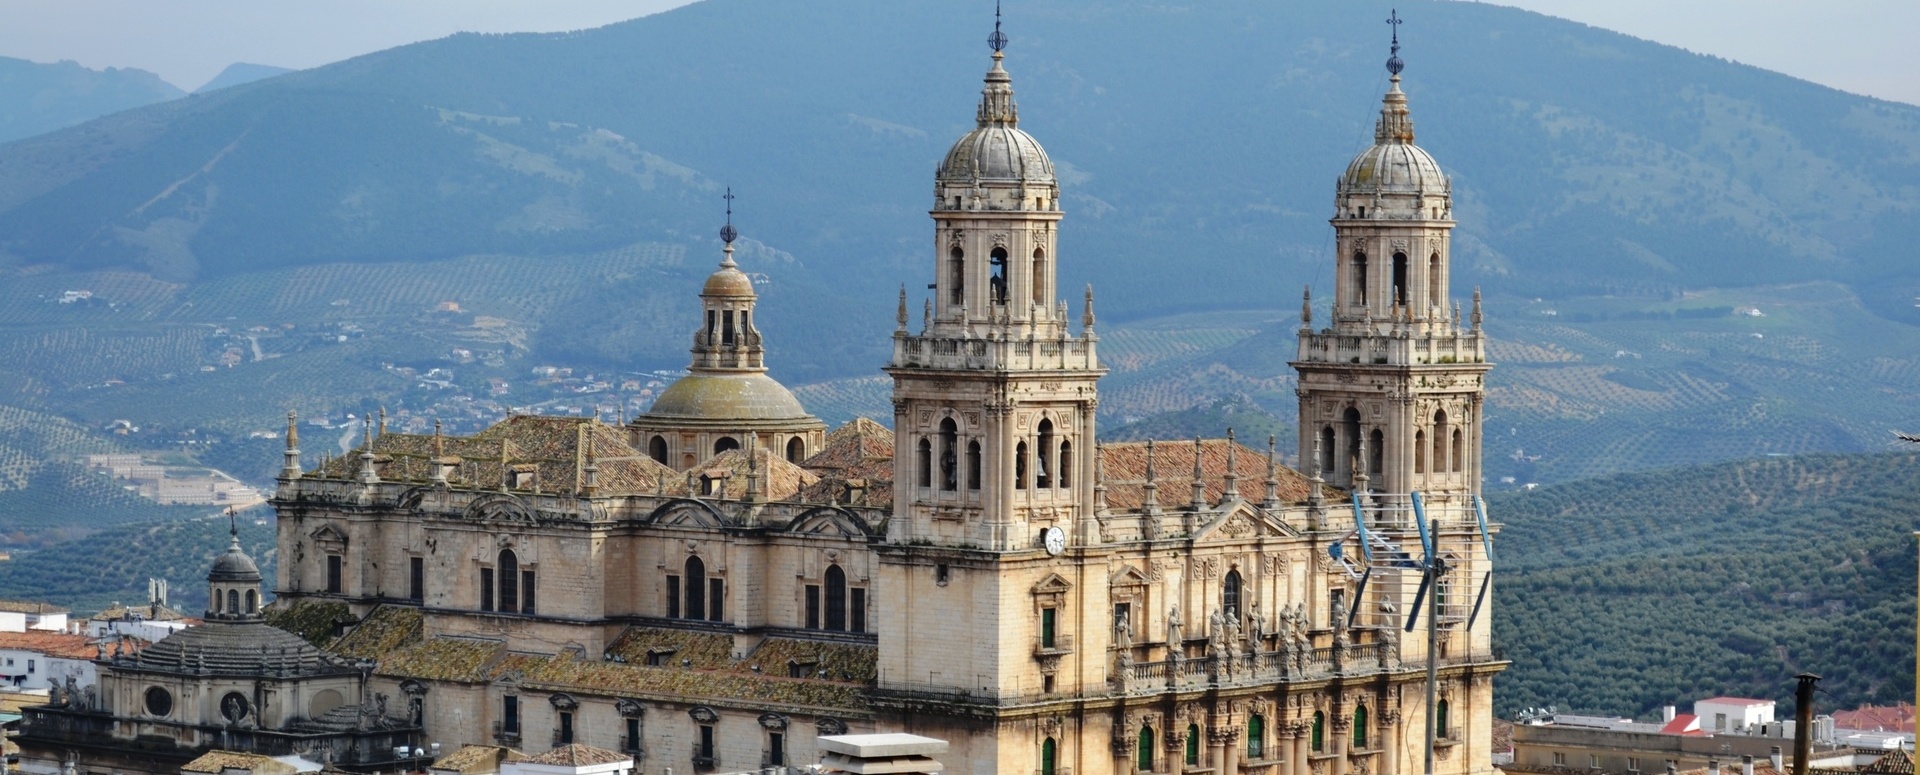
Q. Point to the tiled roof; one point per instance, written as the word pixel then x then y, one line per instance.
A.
pixel 55 644
pixel 857 442
pixel 220 761
pixel 30 607
pixel 1126 474
pixel 1876 718
pixel 388 629
pixel 869 483
pixel 842 661
pixel 779 479
pixel 443 658
pixel 566 673
pixel 150 612
pixel 1896 762
pixel 478 759
pixel 311 620
pixel 579 755
pixel 551 447
pixel 708 650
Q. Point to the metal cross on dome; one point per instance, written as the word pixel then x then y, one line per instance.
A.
pixel 727 232
pixel 998 40
pixel 1394 65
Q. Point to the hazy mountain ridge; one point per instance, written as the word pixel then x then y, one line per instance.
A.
pixel 42 97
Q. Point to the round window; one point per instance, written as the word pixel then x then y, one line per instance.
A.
pixel 234 707
pixel 159 701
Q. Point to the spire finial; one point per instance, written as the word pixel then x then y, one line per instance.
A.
pixel 1086 317
pixel 1394 64
pixel 1199 500
pixel 233 526
pixel 900 315
pixel 727 233
pixel 998 40
pixel 1233 472
pixel 293 430
pixel 383 421
pixel 1306 307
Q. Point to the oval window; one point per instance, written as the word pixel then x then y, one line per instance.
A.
pixel 234 707
pixel 159 701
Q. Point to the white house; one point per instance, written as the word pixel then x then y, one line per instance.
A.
pixel 1732 714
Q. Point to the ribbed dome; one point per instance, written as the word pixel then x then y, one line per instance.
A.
pixel 729 282
pixel 997 150
pixel 1394 165
pixel 248 648
pixel 740 396
pixel 234 566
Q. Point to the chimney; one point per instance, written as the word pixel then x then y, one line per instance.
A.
pixel 1803 722
pixel 1778 765
pixel 1666 713
pixel 1713 767
pixel 1746 765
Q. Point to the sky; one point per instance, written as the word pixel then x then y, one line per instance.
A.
pixel 1859 46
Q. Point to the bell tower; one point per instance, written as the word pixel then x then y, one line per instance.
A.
pixel 1391 392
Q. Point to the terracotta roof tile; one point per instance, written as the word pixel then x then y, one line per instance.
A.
pixel 220 761
pixel 57 644
pixel 579 755
pixel 550 447
pixel 444 658
pixel 478 759
pixel 1126 473
pixel 387 630
pixel 779 479
pixel 855 443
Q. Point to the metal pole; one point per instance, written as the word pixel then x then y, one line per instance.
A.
pixel 1435 567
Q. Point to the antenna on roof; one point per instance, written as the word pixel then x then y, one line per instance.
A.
pixel 1394 65
pixel 998 40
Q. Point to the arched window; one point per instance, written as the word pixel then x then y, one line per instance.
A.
pixel 1327 450
pixel 973 465
pixel 1256 738
pixel 696 607
pixel 1049 754
pixel 1376 446
pixel 1359 278
pixel 925 463
pixel 725 444
pixel 726 327
pixel 1419 452
pixel 1400 279
pixel 957 268
pixel 836 598
pixel 1066 464
pixel 253 601
pixel 1193 745
pixel 1020 466
pixel 1435 283
pixel 1039 276
pixel 1459 451
pixel 713 327
pixel 1319 740
pixel 1350 428
pixel 1144 750
pixel 998 282
pixel 657 449
pixel 949 462
pixel 1440 436
pixel 1043 462
pixel 796 449
pixel 507 573
pixel 1440 729
pixel 1360 728
pixel 233 601
pixel 1230 593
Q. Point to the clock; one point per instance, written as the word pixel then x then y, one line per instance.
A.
pixel 1054 539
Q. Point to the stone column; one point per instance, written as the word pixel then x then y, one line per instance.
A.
pixel 1302 747
pixel 1338 726
pixel 1390 739
pixel 1216 749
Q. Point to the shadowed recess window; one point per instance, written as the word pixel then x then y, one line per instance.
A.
pixel 416 578
pixel 673 597
pixel 716 600
pixel 949 443
pixel 1400 279
pixel 857 609
pixel 1144 749
pixel 836 598
pixel 1360 278
pixel 507 570
pixel 973 465
pixel 1230 593
pixel 1360 728
pixel 1066 464
pixel 813 606
pixel 1319 739
pixel 1256 738
pixel 657 449
pixel 526 591
pixel 486 589
pixel 957 277
pixel 1042 462
pixel 336 569
pixel 924 463
pixel 1193 745
pixel 1020 466
pixel 696 589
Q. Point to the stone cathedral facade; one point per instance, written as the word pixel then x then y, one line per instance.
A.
pixel 717 583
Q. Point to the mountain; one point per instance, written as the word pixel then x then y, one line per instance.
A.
pixel 37 97
pixel 1620 594
pixel 239 73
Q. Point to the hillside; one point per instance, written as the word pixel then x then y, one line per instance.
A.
pixel 38 97
pixel 1624 593
pixel 113 566
pixel 239 73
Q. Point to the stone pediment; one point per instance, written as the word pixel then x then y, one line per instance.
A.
pixel 828 521
pixel 329 534
pixel 1240 521
pixel 1053 584
pixel 500 508
pixel 682 512
pixel 1128 576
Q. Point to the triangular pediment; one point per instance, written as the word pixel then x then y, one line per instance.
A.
pixel 828 522
pixel 1242 520
pixel 1054 583
pixel 1127 576
pixel 329 534
pixel 687 513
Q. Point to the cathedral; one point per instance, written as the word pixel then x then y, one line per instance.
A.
pixel 715 584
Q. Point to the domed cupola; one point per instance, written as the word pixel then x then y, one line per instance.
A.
pixel 997 166
pixel 233 584
pixel 1394 179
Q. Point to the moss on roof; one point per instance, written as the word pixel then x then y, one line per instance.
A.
pixel 385 631
pixel 312 621
pixel 443 658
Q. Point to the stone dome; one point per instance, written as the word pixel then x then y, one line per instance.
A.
pixel 728 282
pixel 1394 165
pixel 997 151
pixel 727 396
pixel 247 648
pixel 234 566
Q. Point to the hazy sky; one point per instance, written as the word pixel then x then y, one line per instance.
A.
pixel 1858 45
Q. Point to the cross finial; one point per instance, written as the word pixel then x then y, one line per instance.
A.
pixel 727 233
pixel 998 40
pixel 1394 65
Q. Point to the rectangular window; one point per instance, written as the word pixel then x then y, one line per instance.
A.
pixel 776 749
pixel 813 606
pixel 859 611
pixel 940 574
pixel 29 665
pixel 510 714
pixel 716 600
pixel 526 591
pixel 1559 759
pixel 706 741
pixel 1046 627
pixel 673 597
pixel 1593 760
pixel 565 733
pixel 1633 764
pixel 335 570
pixel 632 741
pixel 486 589
pixel 416 579
pixel 1123 613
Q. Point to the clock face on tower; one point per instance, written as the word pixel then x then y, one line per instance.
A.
pixel 1055 540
